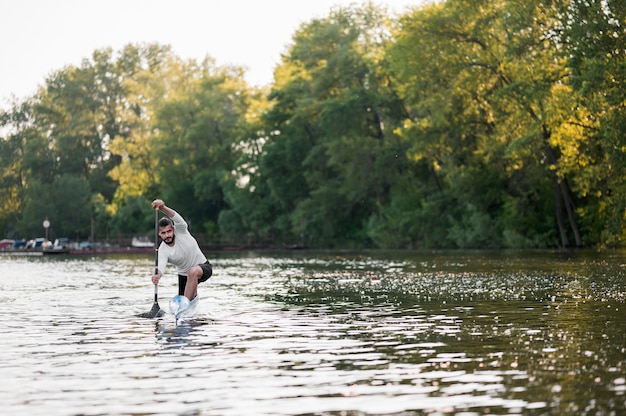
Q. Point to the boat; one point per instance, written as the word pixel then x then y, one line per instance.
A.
pixel 56 250
pixel 6 243
pixel 33 247
pixel 60 246
pixel 141 241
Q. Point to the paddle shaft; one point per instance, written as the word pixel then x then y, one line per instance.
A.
pixel 156 309
pixel 156 253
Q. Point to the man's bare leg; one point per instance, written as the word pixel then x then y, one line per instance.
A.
pixel 191 288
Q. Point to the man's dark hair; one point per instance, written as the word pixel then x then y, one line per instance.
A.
pixel 164 222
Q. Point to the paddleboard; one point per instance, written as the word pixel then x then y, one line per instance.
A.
pixel 181 307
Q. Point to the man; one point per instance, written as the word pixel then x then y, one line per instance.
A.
pixel 181 249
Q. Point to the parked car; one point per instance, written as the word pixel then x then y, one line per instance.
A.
pixel 141 241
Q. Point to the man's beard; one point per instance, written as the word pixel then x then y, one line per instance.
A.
pixel 171 241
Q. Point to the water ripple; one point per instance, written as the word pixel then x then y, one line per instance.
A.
pixel 319 334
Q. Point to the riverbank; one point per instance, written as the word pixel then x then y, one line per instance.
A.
pixel 72 251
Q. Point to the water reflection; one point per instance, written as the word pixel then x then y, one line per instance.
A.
pixel 533 328
pixel 185 334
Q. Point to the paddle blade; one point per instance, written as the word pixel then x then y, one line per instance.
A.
pixel 155 312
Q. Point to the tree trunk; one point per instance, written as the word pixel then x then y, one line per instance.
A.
pixel 559 213
pixel 569 207
pixel 436 179
pixel 565 191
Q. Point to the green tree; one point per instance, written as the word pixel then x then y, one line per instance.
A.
pixel 479 80
pixel 25 155
pixel 329 158
pixel 150 68
pixel 73 209
pixel 250 209
pixel 198 127
pixel 593 38
pixel 134 216
pixel 65 203
pixel 84 123
pixel 78 112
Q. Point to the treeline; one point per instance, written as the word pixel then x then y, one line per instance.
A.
pixel 461 123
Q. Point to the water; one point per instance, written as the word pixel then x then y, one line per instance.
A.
pixel 322 333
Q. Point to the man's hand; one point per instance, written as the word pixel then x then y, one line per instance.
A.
pixel 158 204
pixel 156 278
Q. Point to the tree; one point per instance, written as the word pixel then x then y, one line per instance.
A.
pixel 80 110
pixel 479 81
pixel 329 158
pixel 198 126
pixel 25 156
pixel 593 42
pixel 65 202
pixel 98 120
pixel 150 70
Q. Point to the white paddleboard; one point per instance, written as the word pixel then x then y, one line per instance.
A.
pixel 181 307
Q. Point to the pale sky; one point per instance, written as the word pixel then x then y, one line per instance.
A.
pixel 39 37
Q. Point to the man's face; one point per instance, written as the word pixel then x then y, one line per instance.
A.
pixel 167 234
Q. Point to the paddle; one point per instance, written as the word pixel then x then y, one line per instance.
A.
pixel 156 309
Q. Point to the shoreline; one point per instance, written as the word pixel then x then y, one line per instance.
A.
pixel 71 251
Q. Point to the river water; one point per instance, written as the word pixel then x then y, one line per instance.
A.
pixel 318 333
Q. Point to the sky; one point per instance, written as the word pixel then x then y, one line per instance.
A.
pixel 39 37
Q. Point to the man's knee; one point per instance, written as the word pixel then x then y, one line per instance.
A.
pixel 194 273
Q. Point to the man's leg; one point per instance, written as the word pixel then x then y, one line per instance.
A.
pixel 182 282
pixel 191 288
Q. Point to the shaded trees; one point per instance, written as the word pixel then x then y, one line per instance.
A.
pixel 132 126
pixel 16 162
pixel 593 37
pixel 328 159
pixel 460 124
pixel 198 127
pixel 479 79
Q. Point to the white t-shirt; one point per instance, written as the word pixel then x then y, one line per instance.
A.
pixel 185 253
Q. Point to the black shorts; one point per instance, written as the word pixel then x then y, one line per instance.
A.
pixel 207 271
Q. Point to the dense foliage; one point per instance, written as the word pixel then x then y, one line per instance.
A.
pixel 460 123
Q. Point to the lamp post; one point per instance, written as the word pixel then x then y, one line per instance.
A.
pixel 46 225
